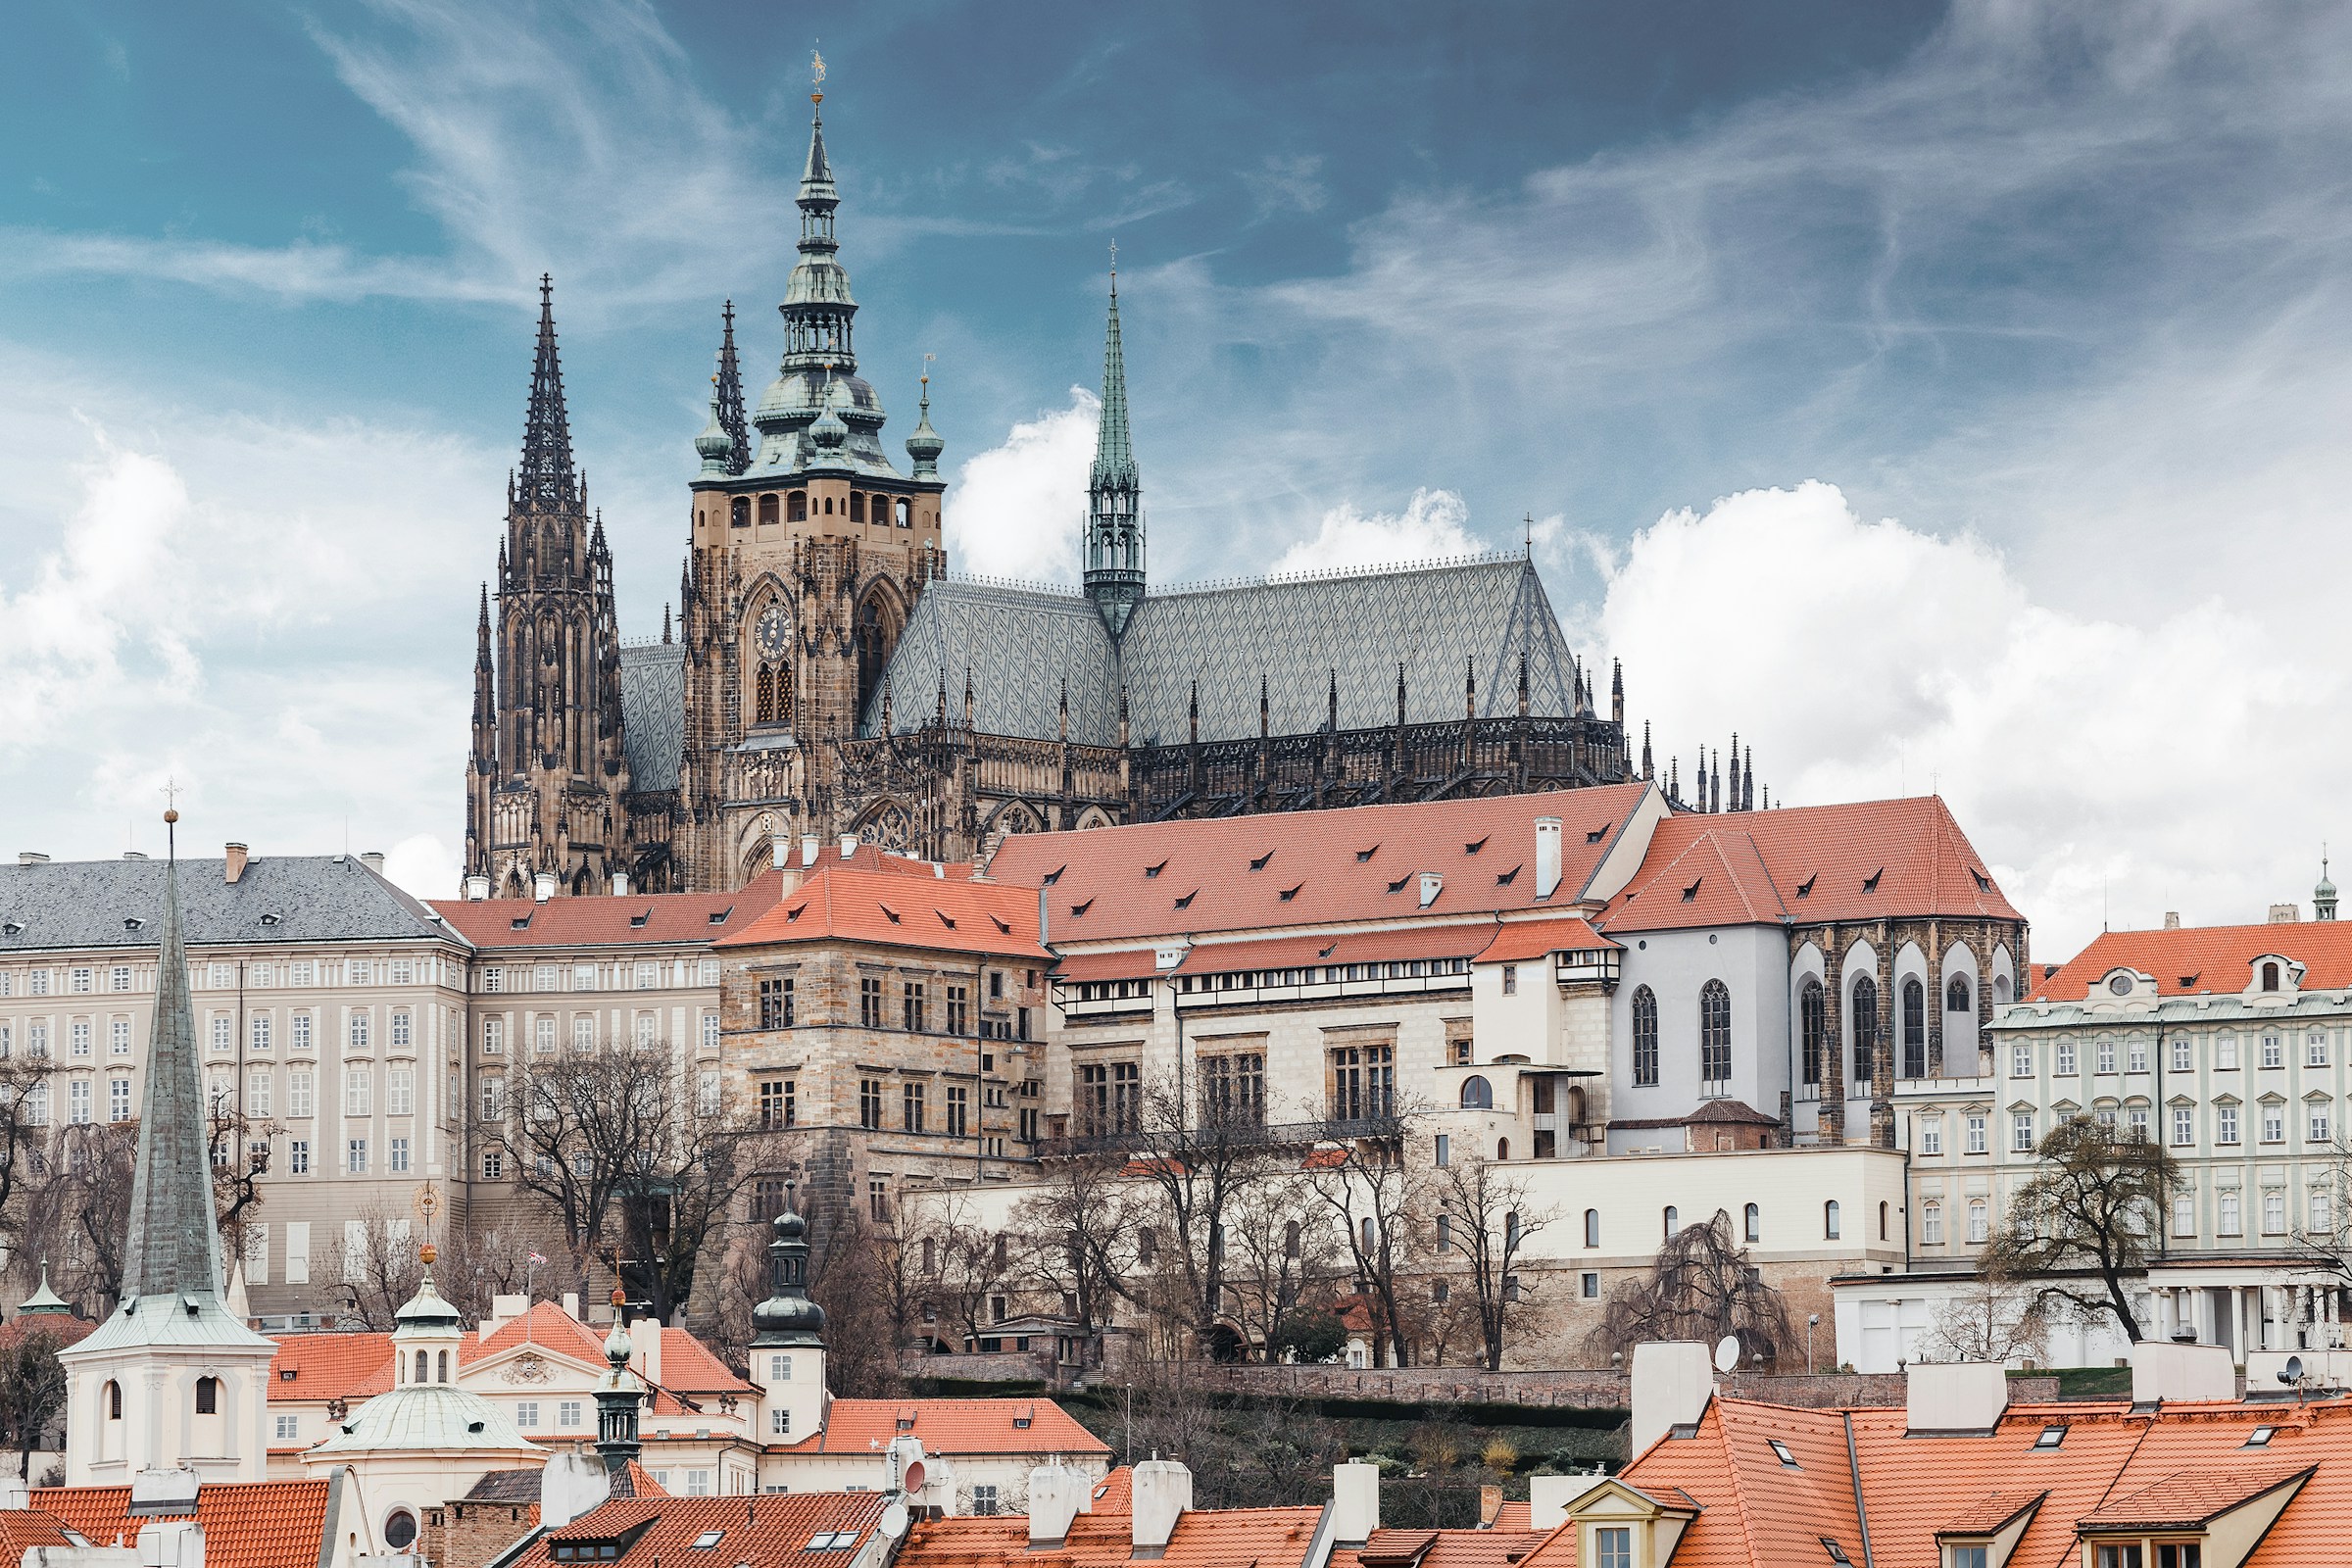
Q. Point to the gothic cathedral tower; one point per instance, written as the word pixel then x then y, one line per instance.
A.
pixel 1114 492
pixel 544 785
pixel 806 555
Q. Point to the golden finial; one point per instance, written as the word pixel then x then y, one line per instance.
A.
pixel 927 359
pixel 817 77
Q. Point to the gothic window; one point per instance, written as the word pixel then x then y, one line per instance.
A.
pixel 739 511
pixel 1810 1027
pixel 767 508
pixel 1715 1038
pixel 1645 1035
pixel 876 634
pixel 763 710
pixel 1866 1028
pixel 796 505
pixel 1915 1029
pixel 1955 995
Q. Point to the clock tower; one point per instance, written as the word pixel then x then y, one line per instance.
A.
pixel 805 557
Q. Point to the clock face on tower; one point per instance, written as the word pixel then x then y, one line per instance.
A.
pixel 773 634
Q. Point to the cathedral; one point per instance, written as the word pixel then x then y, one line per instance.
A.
pixel 827 675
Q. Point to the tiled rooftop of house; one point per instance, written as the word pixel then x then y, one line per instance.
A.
pixel 251 1524
pixel 2224 959
pixel 853 904
pixel 952 1425
pixel 817 1529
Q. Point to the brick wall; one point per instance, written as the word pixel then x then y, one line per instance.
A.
pixel 470 1535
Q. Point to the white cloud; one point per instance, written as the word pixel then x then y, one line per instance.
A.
pixel 1018 510
pixel 2107 769
pixel 1433 525
pixel 1287 182
pixel 425 865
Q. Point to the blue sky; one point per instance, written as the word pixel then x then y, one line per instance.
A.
pixel 1944 396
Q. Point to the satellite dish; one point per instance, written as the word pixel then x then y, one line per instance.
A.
pixel 894 1521
pixel 1727 1352
pixel 913 1481
pixel 2292 1372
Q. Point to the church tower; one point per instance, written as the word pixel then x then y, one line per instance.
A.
pixel 171 1380
pixel 787 1342
pixel 1114 492
pixel 548 772
pixel 809 549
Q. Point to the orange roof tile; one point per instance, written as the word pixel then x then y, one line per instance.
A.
pixel 952 1425
pixel 2220 958
pixel 247 1524
pixel 23 1528
pixel 1987 1514
pixel 1518 941
pixel 601 920
pixel 1108 963
pixel 1387 944
pixel 1440 1549
pixel 2189 1498
pixel 330 1366
pixel 860 906
pixel 1797 865
pixel 1224 1538
pixel 771 1529
pixel 1117 883
pixel 687 1366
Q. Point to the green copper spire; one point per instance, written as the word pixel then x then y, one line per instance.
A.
pixel 175 1247
pixel 1114 525
pixel 924 446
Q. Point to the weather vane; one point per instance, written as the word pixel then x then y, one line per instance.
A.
pixel 817 77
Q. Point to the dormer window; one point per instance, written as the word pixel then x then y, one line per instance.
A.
pixel 1780 1452
pixel 2051 1435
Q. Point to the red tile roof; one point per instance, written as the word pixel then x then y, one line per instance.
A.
pixel 1125 882
pixel 1800 865
pixel 23 1528
pixel 2189 1498
pixel 1518 941
pixel 952 1425
pixel 1224 1538
pixel 247 1524
pixel 330 1366
pixel 857 906
pixel 2219 958
pixel 602 920
pixel 772 1530
pixel 1440 1549
pixel 352 1367
pixel 1352 946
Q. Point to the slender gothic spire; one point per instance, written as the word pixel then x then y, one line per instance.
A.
pixel 547 479
pixel 175 1247
pixel 1114 524
pixel 729 409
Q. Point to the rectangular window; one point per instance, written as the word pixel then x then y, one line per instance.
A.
pixel 2274 1213
pixel 494 1165
pixel 984 1499
pixel 709 1026
pixel 2021 1062
pixel 403 1029
pixel 118 1100
pixel 1363 1082
pixel 567 1412
pixel 960 1010
pixel 583 1032
pixel 2184 1053
pixel 301 1032
pixel 358 1084
pixel 2321 1125
pixel 583 977
pixel 39 979
pixel 706 1094
pixel 258 1032
pixel 257 1092
pixel 1510 979
pixel 400 1156
pixel 359 1031
pixel 1441 1150
pixel 78 1102
pixel 649 976
pixel 494 1037
pixel 543 1036
pixel 870 1003
pixel 224 1034
pixel 913 1011
pixel 2225 1125
pixel 1613 1546
pixel 1233 1087
pixel 2273 1052
pixel 2184 1214
pixel 2230 1223
pixel 777 1108
pixel 1107 1093
pixel 118 1036
pixel 119 977
pixel 698 1483
pixel 2136 1120
pixel 298 1162
pixel 2185 1126
pixel 1930 1135
pixel 400 1092
pixel 877 1196
pixel 287 1427
pixel 354 1157
pixel 2065 1058
pixel 2021 1132
pixel 527 1414
pixel 2225 1052
pixel 2273 1123
pixel 911 1097
pixel 494 1098
pixel 2136 1056
pixel 79 1032
pixel 2315 1050
pixel 80 979
pixel 298 1093
pixel 870 1103
pixel 775 1002
pixel 2322 1214
pixel 958 1098
pixel 494 981
pixel 1974 1127
pixel 2103 1052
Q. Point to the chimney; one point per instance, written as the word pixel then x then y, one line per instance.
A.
pixel 571 1485
pixel 374 860
pixel 477 887
pixel 31 857
pixel 232 864
pixel 645 1338
pixel 543 886
pixel 809 849
pixel 571 1306
pixel 1490 1507
pixel 2286 913
pixel 1057 1495
pixel 1354 1502
pixel 849 845
pixel 1953 1396
pixel 1431 884
pixel 2169 1370
pixel 779 850
pixel 1548 1498
pixel 1673 1380
pixel 1547 856
pixel 1162 1489
pixel 2172 919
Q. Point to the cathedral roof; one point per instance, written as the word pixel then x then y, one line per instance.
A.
pixel 1297 633
pixel 652 712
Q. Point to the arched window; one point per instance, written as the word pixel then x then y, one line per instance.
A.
pixel 930 1255
pixel 441 1366
pixel 1881 1222
pixel 420 1375
pixel 2001 991
pixel 1811 1025
pixel 1673 1221
pixel 796 507
pixel 767 508
pixel 1915 1029
pixel 1503 1149
pixel 1510 1229
pixel 1955 995
pixel 1866 1032
pixel 876 634
pixel 208 1395
pixel 738 513
pixel 1753 1223
pixel 1147 1245
pixel 1715 1038
pixel 1645 1035
pixel 1364 1231
pixel 1830 1220
pixel 1476 1092
pixel 1592 1227
pixel 764 703
pixel 400 1530
pixel 1445 1233
pixel 2270 977
pixel 905 515
pixel 856 506
pixel 113 1402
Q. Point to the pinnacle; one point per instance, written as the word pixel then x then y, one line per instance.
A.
pixel 546 477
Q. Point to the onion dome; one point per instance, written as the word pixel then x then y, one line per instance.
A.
pixel 924 446
pixel 829 431
pixel 714 446
pixel 788 1316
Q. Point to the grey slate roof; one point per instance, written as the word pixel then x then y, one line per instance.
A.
pixel 652 712
pixel 1439 621
pixel 314 898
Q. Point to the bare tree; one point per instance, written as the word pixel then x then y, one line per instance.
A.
pixel 382 1266
pixel 78 1209
pixel 240 1147
pixel 1490 1220
pixel 1700 1287
pixel 24 1141
pixel 851 1280
pixel 1282 1255
pixel 1989 1320
pixel 1076 1238
pixel 1198 1162
pixel 959 1266
pixel 1380 1201
pixel 2096 1201
pixel 476 1266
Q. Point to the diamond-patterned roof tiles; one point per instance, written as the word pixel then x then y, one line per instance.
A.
pixel 652 712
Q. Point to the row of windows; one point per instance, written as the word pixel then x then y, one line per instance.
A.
pixel 639 975
pixel 546 1030
pixel 1751 1223
pixel 2230 1206
pixel 794 506
pixel 260 1098
pixel 2106 1055
pixel 84 979
pixel 2271 1122
pixel 1309 975
pixel 221 1033
pixel 1714 1037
